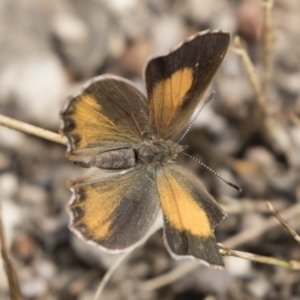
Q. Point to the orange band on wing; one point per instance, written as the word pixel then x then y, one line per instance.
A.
pixel 180 208
pixel 168 94
pixel 114 211
pixel 90 123
pixel 97 215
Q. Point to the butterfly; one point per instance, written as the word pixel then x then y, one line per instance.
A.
pixel 125 137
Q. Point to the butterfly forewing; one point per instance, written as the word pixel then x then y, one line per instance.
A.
pixel 110 113
pixel 176 82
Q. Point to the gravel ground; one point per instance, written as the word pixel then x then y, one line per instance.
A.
pixel 48 49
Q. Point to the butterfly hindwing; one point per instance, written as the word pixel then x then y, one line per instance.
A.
pixel 115 212
pixel 190 215
pixel 176 82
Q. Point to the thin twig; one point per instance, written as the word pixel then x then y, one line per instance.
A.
pixel 253 78
pixel 109 274
pixel 234 206
pixel 30 129
pixel 12 278
pixel 294 118
pixel 252 233
pixel 169 277
pixel 156 226
pixel 291 264
pixel 235 241
pixel 267 43
pixel 284 222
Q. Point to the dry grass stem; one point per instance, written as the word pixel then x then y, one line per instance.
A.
pixel 268 43
pixel 293 265
pixel 167 278
pixel 283 222
pixel 233 206
pixel 294 118
pixel 12 278
pixel 252 233
pixel 253 78
pixel 109 274
pixel 30 129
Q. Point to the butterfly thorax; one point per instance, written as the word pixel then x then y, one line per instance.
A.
pixel 157 152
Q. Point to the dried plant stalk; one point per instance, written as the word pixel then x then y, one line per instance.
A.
pixel 30 129
pixel 291 264
pixel 268 37
pixel 12 278
pixel 253 78
pixel 284 223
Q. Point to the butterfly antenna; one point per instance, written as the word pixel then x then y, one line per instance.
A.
pixel 198 113
pixel 214 172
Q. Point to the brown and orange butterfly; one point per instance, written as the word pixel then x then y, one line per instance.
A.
pixel 111 125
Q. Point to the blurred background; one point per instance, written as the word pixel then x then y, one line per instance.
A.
pixel 48 49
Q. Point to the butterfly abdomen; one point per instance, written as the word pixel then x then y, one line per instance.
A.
pixel 115 159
